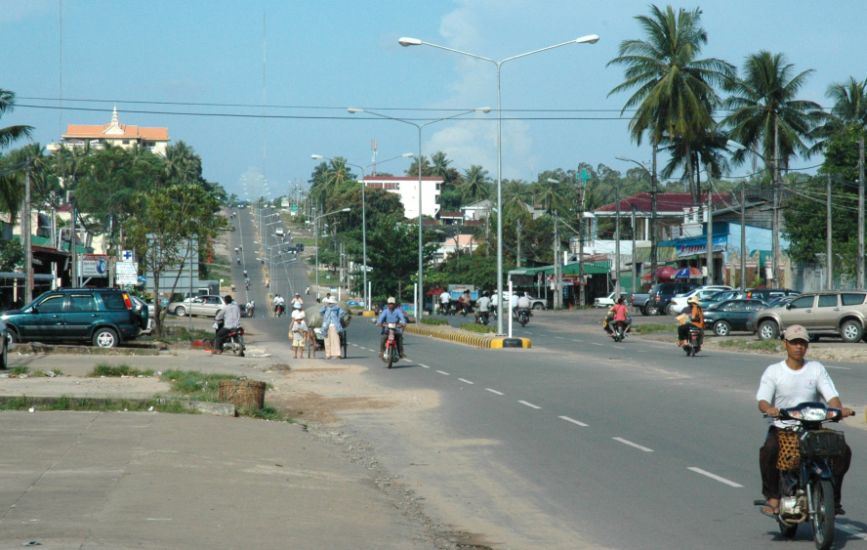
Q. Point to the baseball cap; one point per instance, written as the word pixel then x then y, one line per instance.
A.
pixel 796 332
pixel 391 300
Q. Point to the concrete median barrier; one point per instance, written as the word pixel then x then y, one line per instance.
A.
pixel 452 334
pixel 501 342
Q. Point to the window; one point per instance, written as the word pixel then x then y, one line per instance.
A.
pixel 827 300
pixel 754 305
pixel 214 301
pixel 735 306
pixel 52 304
pixel 81 302
pixel 113 301
pixel 802 303
pixel 852 299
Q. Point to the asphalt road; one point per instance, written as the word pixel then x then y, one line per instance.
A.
pixel 625 446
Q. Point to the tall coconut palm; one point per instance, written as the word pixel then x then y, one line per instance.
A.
pixel 182 164
pixel 766 97
pixel 476 185
pixel 675 92
pixel 10 190
pixel 10 133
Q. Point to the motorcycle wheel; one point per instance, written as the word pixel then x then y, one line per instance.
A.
pixel 392 353
pixel 688 349
pixel 823 519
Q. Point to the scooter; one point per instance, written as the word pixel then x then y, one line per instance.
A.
pixel 234 340
pixel 618 331
pixel 483 318
pixel 806 486
pixel 279 310
pixel 391 354
pixel 693 341
pixel 522 315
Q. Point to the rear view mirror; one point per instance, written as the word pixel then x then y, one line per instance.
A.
pixel 789 305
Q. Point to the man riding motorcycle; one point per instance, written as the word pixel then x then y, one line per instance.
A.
pixel 279 305
pixel 391 314
pixel 617 314
pixel 230 318
pixel 521 303
pixel 483 307
pixel 696 319
pixel 788 384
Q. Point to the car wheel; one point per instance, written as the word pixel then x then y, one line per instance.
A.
pixel 180 311
pixel 651 309
pixel 768 330
pixel 722 328
pixel 105 338
pixel 851 331
pixel 12 337
pixel 669 309
pixel 4 357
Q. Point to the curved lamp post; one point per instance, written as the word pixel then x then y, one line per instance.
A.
pixel 363 213
pixel 410 41
pixel 354 110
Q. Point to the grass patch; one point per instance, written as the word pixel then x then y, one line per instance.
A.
pixel 65 403
pixel 117 371
pixel 18 371
pixel 475 327
pixel 429 321
pixel 651 328
pixel 46 374
pixel 198 386
pixel 772 346
pixel 176 334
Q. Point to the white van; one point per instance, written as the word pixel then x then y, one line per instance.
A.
pixel 279 232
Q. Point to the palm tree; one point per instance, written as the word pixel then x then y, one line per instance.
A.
pixel 674 93
pixel 766 98
pixel 413 167
pixel 709 151
pixel 182 164
pixel 10 133
pixel 476 185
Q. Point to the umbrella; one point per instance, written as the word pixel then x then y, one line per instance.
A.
pixel 688 272
pixel 664 273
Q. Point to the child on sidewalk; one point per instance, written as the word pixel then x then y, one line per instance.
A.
pixel 298 331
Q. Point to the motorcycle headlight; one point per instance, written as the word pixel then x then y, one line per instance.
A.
pixel 813 414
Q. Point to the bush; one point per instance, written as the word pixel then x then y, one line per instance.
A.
pixel 196 385
pixel 117 371
pixel 475 327
pixel 427 321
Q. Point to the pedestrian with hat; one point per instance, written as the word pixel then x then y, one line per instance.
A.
pixel 333 321
pixel 789 383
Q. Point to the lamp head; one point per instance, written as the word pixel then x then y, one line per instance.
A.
pixel 735 145
pixel 587 39
pixel 353 110
pixel 409 41
pixel 346 210
pixel 483 110
pixel 316 157
pixel 408 155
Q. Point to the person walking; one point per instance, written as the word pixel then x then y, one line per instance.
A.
pixel 332 327
pixel 298 331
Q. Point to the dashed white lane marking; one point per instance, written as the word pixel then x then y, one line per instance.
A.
pixel 573 421
pixel 465 381
pixel 559 337
pixel 631 444
pixel 715 477
pixel 851 530
pixel 528 404
pixel 838 368
pixel 444 373
pixel 578 341
pixel 597 344
pixel 422 365
pixel 353 345
pixel 495 392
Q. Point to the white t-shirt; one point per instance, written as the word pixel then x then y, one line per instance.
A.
pixel 784 387
pixel 298 314
pixel 523 302
pixel 513 301
pixel 483 303
pixel 445 297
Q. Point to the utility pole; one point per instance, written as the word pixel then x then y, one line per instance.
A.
pixel 859 267
pixel 634 266
pixel 558 293
pixel 775 214
pixel 581 281
pixel 518 259
pixel 743 276
pixel 25 239
pixel 617 242
pixel 653 252
pixel 709 259
pixel 72 238
pixel 829 261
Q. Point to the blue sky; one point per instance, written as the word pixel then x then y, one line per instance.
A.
pixel 323 56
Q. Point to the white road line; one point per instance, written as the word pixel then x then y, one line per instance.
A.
pixel 578 341
pixel 528 404
pixel 353 345
pixel 573 421
pixel 443 373
pixel 851 530
pixel 597 344
pixel 559 337
pixel 838 368
pixel 631 444
pixel 715 477
pixel 495 392
pixel 465 381
pixel 422 365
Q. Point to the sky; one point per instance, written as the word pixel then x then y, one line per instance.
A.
pixel 210 69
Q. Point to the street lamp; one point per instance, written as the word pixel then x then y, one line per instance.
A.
pixel 316 240
pixel 368 299
pixel 354 110
pixel 410 41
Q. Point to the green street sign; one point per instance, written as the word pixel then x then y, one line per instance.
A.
pixel 584 175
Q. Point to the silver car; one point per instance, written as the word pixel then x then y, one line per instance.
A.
pixel 841 313
pixel 207 306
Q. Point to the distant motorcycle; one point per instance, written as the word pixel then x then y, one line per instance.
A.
pixel 234 340
pixel 694 341
pixel 618 331
pixel 483 318
pixel 522 315
pixel 279 310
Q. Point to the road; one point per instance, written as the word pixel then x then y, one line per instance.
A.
pixel 582 443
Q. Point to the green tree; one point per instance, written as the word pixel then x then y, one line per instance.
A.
pixel 476 185
pixel 11 255
pixel 674 91
pixel 10 134
pixel 766 97
pixel 392 254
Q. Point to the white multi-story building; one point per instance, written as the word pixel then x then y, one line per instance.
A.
pixel 155 140
pixel 407 187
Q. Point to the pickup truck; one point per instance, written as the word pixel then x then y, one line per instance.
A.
pixel 639 300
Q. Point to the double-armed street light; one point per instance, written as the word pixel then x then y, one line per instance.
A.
pixel 419 304
pixel 368 298
pixel 586 39
pixel 316 240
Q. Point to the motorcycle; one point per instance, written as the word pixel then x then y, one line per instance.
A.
pixel 279 310
pixel 806 486
pixel 694 341
pixel 522 315
pixel 618 331
pixel 391 355
pixel 234 340
pixel 483 318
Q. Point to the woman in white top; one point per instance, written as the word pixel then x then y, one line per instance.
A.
pixel 298 331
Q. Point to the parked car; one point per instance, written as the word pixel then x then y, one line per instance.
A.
pixel 4 344
pixel 721 296
pixel 639 300
pixel 730 315
pixel 678 302
pixel 604 301
pixel 781 300
pixel 834 313
pixel 104 316
pixel 139 305
pixel 206 305
pixel 768 294
pixel 662 293
pixel 535 303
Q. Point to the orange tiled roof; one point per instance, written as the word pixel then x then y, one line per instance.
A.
pixel 97 131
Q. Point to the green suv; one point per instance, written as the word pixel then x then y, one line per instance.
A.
pixel 104 316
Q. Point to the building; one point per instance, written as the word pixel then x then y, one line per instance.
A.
pixel 114 133
pixel 407 188
pixel 461 242
pixel 478 210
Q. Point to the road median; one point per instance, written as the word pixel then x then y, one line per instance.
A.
pixel 451 334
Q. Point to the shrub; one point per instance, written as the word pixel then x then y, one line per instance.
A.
pixel 475 327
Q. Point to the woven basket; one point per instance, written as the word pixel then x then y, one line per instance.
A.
pixel 243 393
pixel 789 457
